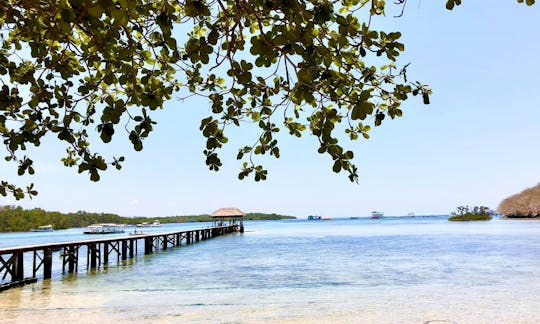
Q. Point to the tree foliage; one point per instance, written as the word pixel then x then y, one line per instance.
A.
pixel 523 204
pixel 17 219
pixel 71 68
pixel 466 213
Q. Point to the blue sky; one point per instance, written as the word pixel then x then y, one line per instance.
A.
pixel 473 145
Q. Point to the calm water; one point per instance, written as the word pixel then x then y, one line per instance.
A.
pixel 412 270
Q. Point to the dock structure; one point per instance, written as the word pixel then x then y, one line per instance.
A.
pixel 99 252
pixel 229 216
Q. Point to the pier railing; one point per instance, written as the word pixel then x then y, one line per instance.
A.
pixel 99 252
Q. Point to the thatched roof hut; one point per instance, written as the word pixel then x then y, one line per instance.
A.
pixel 523 204
pixel 228 212
pixel 233 215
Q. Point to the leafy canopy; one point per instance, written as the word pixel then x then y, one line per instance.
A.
pixel 71 68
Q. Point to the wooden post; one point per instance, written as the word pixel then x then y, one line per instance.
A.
pixel 47 263
pixel 148 245
pixel 34 269
pixel 64 255
pixel 93 255
pixel 71 259
pixel 188 238
pixel 18 267
pixel 164 243
pixel 106 253
pixel 124 250
pixel 131 249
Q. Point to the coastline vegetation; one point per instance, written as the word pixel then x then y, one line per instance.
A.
pixel 17 219
pixel 525 204
pixel 464 213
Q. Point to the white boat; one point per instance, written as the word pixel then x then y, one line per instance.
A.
pixel 376 214
pixel 44 228
pixel 155 223
pixel 105 228
pixel 314 217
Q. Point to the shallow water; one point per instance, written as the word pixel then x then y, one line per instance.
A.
pixel 410 270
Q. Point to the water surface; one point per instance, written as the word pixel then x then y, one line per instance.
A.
pixel 392 270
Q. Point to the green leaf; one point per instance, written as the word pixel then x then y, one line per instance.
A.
pixel 425 97
pixel 94 175
pixel 337 166
pixel 95 11
pixel 67 15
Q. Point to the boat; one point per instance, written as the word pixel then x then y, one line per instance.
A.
pixel 313 217
pixel 155 223
pixel 327 218
pixel 376 214
pixel 105 228
pixel 354 217
pixel 44 228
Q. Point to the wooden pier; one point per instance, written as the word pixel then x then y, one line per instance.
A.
pixel 98 252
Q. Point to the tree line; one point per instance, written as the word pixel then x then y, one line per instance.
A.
pixel 18 219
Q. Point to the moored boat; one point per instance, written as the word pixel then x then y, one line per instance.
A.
pixel 314 217
pixel 44 228
pixel 105 228
pixel 155 223
pixel 376 214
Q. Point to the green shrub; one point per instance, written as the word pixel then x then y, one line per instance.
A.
pixel 464 213
pixel 470 217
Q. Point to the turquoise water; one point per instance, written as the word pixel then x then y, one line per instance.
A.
pixel 392 270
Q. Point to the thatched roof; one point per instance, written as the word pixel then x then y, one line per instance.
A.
pixel 228 212
pixel 524 204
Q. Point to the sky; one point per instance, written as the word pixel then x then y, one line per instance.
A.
pixel 475 144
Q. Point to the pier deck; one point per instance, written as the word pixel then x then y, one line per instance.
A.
pixel 99 252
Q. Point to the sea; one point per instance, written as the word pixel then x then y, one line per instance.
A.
pixel 390 270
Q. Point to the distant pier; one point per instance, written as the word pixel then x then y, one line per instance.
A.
pixel 99 252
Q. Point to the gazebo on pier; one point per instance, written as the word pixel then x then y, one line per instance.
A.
pixel 231 215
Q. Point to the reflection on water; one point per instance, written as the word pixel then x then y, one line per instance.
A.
pixel 422 270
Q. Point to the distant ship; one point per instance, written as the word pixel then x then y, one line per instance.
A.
pixel 376 214
pixel 44 228
pixel 312 217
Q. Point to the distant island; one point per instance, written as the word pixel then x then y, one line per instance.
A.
pixel 17 219
pixel 525 204
pixel 465 213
